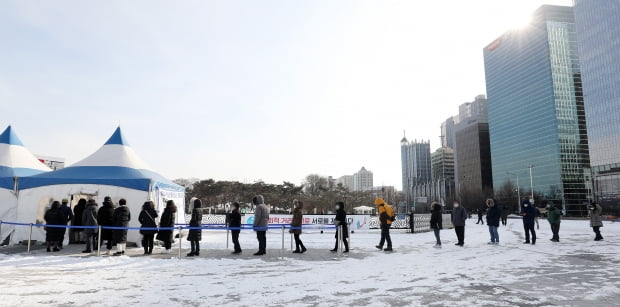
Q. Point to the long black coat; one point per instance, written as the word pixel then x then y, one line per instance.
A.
pixel 195 221
pixel 54 217
pixel 147 220
pixel 436 219
pixel 167 220
pixel 105 217
pixel 341 220
pixel 78 211
pixel 234 220
pixel 122 216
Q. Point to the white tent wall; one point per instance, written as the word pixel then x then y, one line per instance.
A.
pixel 8 211
pixel 33 203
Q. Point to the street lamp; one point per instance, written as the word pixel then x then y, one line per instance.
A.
pixel 531 166
pixel 518 191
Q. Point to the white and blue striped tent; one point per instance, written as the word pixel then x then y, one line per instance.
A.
pixel 16 161
pixel 114 170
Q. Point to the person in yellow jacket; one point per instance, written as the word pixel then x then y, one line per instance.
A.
pixel 386 216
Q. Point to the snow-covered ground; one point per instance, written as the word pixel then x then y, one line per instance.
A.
pixel 575 272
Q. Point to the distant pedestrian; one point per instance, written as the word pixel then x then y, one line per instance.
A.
pixel 529 214
pixel 494 214
pixel 148 225
pixel 386 217
pixel 53 235
pixel 459 216
pixel 122 216
pixel 480 214
pixel 296 225
pixel 89 218
pixel 554 216
pixel 67 216
pixel 195 235
pixel 341 221
pixel 596 220
pixel 167 221
pixel 505 212
pixel 77 233
pixel 105 217
pixel 261 223
pixel 234 222
pixel 436 222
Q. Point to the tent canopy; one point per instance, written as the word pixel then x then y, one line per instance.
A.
pixel 16 160
pixel 114 164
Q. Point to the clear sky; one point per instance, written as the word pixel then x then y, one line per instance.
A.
pixel 245 90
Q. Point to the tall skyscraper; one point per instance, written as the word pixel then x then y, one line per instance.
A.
pixel 598 30
pixel 346 181
pixel 536 113
pixel 416 165
pixel 442 164
pixel 474 180
pixel 447 132
pixel 362 180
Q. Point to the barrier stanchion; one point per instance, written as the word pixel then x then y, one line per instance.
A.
pixel 282 237
pixel 99 242
pixel 339 232
pixel 29 238
pixel 180 240
pixel 291 241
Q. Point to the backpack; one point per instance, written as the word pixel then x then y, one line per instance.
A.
pixel 390 212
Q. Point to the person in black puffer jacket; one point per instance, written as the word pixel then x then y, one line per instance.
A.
pixel 105 217
pixel 122 216
pixel 147 220
pixel 234 222
pixel 167 221
pixel 341 220
pixel 436 222
pixel 53 235
pixel 494 214
pixel 195 235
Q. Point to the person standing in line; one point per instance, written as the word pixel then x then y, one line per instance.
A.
pixel 122 216
pixel 147 223
pixel 529 215
pixel 436 222
pixel 78 211
pixel 341 221
pixel 89 218
pixel 554 216
pixel 167 221
pixel 53 235
pixel 480 214
pixel 261 223
pixel 386 217
pixel 296 225
pixel 195 235
pixel 67 216
pixel 494 214
pixel 459 216
pixel 596 221
pixel 234 222
pixel 105 217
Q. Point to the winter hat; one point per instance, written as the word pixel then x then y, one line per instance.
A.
pixel 197 203
pixel 147 205
pixel 122 202
pixel 55 204
pixel 107 198
pixel 64 200
pixel 258 200
pixel 91 201
pixel 379 201
pixel 340 205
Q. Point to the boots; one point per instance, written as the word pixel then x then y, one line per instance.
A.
pixel 335 248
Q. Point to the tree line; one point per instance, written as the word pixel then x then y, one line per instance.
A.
pixel 318 194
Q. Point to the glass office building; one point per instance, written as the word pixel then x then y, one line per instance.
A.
pixel 536 112
pixel 598 36
pixel 416 165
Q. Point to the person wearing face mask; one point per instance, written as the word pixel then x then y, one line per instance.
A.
pixel 554 215
pixel 459 216
pixel 341 221
pixel 296 224
pixel 596 221
pixel 529 215
pixel 494 214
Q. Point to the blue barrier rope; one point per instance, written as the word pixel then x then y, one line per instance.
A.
pixel 203 227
